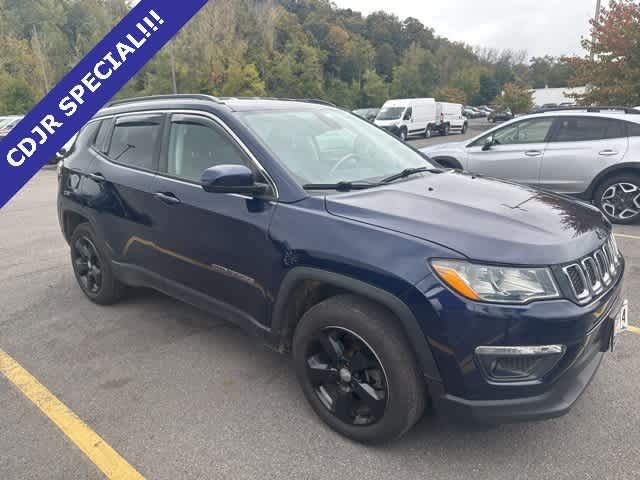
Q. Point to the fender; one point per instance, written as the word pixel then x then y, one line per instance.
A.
pixel 612 170
pixel 410 325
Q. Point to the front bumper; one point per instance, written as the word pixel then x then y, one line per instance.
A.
pixel 555 402
pixel 461 326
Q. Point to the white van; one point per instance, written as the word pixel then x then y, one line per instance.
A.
pixel 450 118
pixel 409 117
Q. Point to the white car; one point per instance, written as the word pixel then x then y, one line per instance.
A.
pixel 593 155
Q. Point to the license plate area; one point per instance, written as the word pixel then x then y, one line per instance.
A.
pixel 620 324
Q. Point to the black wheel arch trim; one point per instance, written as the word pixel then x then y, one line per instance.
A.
pixel 612 170
pixel 409 323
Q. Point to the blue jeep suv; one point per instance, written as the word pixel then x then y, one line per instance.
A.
pixel 396 285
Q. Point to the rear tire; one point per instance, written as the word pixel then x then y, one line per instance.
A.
pixel 92 268
pixel 618 197
pixel 357 329
pixel 428 133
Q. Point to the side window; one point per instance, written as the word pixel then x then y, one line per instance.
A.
pixel 527 131
pixel 86 137
pixel 134 141
pixel 196 144
pixel 633 129
pixel 408 114
pixel 584 129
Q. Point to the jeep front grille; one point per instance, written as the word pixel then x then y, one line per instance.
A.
pixel 591 276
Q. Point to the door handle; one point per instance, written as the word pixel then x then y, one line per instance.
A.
pixel 168 198
pixel 608 153
pixel 533 153
pixel 97 177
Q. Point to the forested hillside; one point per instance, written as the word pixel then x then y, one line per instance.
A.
pixel 286 48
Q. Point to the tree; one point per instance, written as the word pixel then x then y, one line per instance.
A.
pixel 374 90
pixel 613 74
pixel 450 94
pixel 243 82
pixel 417 75
pixel 488 90
pixel 516 98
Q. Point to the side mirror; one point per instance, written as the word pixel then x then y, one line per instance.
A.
pixel 60 154
pixel 488 143
pixel 232 179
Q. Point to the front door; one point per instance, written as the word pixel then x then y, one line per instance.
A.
pixel 214 244
pixel 516 152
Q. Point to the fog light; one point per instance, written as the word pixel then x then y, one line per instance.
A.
pixel 518 364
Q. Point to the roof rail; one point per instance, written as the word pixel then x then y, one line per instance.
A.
pixel 630 111
pixel 319 101
pixel 186 96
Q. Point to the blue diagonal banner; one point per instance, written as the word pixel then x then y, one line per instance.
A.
pixel 88 87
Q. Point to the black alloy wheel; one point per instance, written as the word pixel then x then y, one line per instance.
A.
pixel 87 265
pixel 357 370
pixel 347 376
pixel 92 268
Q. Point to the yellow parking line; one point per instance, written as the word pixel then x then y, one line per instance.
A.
pixel 94 447
pixel 633 329
pixel 622 235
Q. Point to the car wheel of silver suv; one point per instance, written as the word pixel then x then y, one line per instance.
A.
pixel 619 198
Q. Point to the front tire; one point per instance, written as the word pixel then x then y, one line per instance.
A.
pixel 444 130
pixel 357 370
pixel 92 268
pixel 618 197
pixel 404 135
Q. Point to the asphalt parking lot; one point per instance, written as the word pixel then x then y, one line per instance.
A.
pixel 183 395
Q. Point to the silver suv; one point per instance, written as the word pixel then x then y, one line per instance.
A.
pixel 590 154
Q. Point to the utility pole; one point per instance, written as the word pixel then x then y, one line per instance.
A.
pixel 596 22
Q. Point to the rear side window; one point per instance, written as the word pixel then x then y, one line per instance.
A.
pixel 134 141
pixel 195 144
pixel 87 135
pixel 633 129
pixel 584 129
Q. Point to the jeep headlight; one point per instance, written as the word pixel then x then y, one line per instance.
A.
pixel 499 284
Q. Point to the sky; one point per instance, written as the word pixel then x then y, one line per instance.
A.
pixel 541 27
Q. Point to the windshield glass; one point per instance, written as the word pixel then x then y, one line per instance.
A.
pixel 390 113
pixel 331 146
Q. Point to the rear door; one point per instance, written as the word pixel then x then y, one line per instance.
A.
pixel 118 187
pixel 517 151
pixel 580 148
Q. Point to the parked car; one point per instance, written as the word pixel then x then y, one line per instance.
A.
pixel 472 112
pixel 395 284
pixel 485 109
pixel 368 114
pixel 450 118
pixel 409 117
pixel 8 124
pixel 593 155
pixel 500 115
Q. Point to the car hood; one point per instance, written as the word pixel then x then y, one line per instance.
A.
pixel 481 218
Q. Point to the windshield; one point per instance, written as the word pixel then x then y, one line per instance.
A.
pixel 390 113
pixel 331 146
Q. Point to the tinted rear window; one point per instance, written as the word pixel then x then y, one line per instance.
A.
pixel 634 129
pixel 583 129
pixel 134 141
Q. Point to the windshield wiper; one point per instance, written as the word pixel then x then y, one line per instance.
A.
pixel 340 186
pixel 410 171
